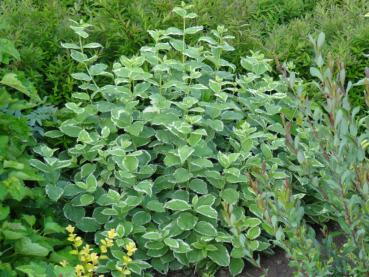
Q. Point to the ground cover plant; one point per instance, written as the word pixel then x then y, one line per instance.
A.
pixel 179 155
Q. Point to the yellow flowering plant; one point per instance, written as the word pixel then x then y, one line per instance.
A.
pixel 91 259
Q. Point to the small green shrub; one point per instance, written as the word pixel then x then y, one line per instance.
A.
pixel 329 159
pixel 162 144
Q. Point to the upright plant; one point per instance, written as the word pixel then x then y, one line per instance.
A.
pixel 329 160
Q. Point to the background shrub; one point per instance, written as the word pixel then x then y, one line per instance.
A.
pixel 277 28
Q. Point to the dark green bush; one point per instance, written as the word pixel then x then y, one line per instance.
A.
pixel 277 28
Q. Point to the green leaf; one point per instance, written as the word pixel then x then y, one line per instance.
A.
pixel 184 152
pixel 141 218
pixel 236 266
pixel 81 76
pixel 156 206
pixel 180 11
pixel 13 231
pixel 51 227
pixel 91 183
pixel 70 130
pixel 177 205
pixel 136 128
pixel 86 199
pixel 251 222
pixel 266 151
pixel 11 80
pixel 78 56
pixel 73 213
pixel 97 69
pixel 186 221
pixel 199 186
pixel 70 46
pixel 279 175
pixel 253 233
pixel 92 45
pixel 182 175
pixel 207 211
pixel 152 236
pixel 54 192
pixel 84 137
pixel 220 256
pixel 172 243
pixel 7 47
pixel 4 212
pixel 33 269
pixel 315 72
pixel 27 247
pixel 230 196
pixel 321 39
pixel 87 169
pixel 130 163
pixel 145 187
pixel 88 224
pixel 53 134
pixel 18 190
pixel 39 165
pixel 193 30
pixel 79 31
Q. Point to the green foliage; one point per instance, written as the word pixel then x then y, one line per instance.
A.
pixel 29 231
pixel 200 156
pixel 277 28
pixel 162 144
pixel 36 30
pixel 30 235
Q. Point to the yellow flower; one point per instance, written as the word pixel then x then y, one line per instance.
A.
pixel 79 269
pixel 90 267
pixel 70 229
pixel 109 242
pixel 63 263
pixel 126 260
pixel 105 244
pixel 85 250
pixel 103 249
pixel 366 15
pixel 131 248
pixel 77 242
pixel 112 234
pixel 71 237
pixel 94 258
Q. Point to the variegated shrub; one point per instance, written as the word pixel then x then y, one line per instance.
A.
pixel 163 148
